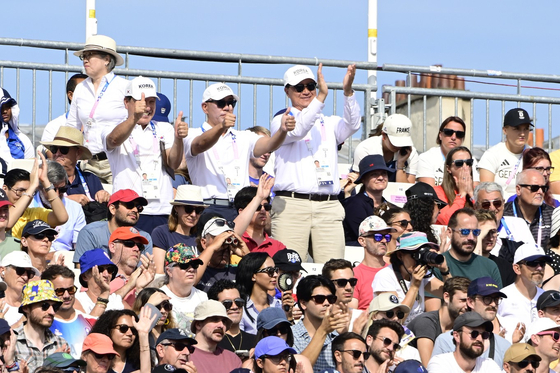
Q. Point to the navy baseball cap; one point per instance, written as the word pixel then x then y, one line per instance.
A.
pixel 37 226
pixel 370 163
pixel 410 366
pixel 288 260
pixel 176 334
pixel 484 286
pixel 270 317
pixel 4 327
pixel 92 258
pixel 163 108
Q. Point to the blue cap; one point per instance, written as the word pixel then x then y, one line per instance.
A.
pixel 370 163
pixel 410 366
pixel 272 346
pixel 484 286
pixel 6 99
pixel 270 317
pixel 163 107
pixel 4 327
pixel 92 258
pixel 37 226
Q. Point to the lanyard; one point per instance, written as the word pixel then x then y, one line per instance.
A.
pixel 84 184
pixel 511 176
pixel 235 149
pixel 100 97
pixel 504 224
pixel 539 234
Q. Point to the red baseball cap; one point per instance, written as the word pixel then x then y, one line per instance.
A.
pixel 127 233
pixel 99 343
pixel 127 195
pixel 4 201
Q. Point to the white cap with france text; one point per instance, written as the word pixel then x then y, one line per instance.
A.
pixel 140 85
pixel 397 127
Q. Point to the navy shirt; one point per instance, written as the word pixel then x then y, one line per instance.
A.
pixel 357 208
pixel 92 181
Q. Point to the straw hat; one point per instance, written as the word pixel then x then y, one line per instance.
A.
pixel 101 43
pixel 71 137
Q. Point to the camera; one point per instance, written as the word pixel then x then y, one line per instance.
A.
pixel 285 282
pixel 231 240
pixel 426 257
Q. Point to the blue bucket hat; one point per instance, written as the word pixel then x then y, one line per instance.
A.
pixel 91 258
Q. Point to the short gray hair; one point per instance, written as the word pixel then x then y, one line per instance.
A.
pixel 521 177
pixel 112 63
pixel 488 187
pixel 56 173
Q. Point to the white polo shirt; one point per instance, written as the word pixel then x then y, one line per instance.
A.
pixel 432 164
pixel 142 146
pixel 314 134
pixel 517 308
pixel 230 154
pixel 109 112
pixel 501 162
pixel 50 130
pixel 373 145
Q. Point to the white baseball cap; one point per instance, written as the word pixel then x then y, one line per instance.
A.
pixel 397 127
pixel 374 223
pixel 296 74
pixel 19 259
pixel 217 91
pixel 140 85
pixel 529 252
pixel 540 325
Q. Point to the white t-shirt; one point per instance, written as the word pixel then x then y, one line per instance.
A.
pixel 517 308
pixel 183 308
pixel 386 280
pixel 518 231
pixel 140 156
pixel 229 157
pixel 501 162
pixel 432 164
pixel 13 315
pixel 115 302
pixel 50 130
pixel 446 363
pixel 109 112
pixel 373 145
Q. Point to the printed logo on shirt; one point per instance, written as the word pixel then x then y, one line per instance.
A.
pixel 505 163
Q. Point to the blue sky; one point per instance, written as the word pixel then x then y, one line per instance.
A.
pixel 514 36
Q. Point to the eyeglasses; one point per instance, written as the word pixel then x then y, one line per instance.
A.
pixel 466 232
pixel 18 192
pixel 390 314
pixel 186 266
pixel 300 87
pixel 524 363
pixel 320 299
pixel 461 162
pixel 228 303
pixel 357 353
pixel 123 328
pixel 88 55
pixel 130 244
pixel 62 149
pixel 270 271
pixel 267 207
pixel 548 170
pixel 388 342
pixel 449 132
pixel 488 300
pixel 534 263
pixel 555 335
pixel 341 282
pixel 278 358
pixel 46 305
pixel 377 237
pixel 101 356
pixel 497 203
pixel 281 328
pixel 403 223
pixel 130 205
pixel 535 188
pixel 197 209
pixel 166 305
pixel 110 268
pixel 41 236
pixel 475 333
pixel 180 346
pixel 60 291
pixel 21 271
pixel 223 103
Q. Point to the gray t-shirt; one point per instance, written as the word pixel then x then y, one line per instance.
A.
pixel 426 325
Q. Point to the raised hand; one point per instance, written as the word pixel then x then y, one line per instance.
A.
pixel 229 120
pixel 288 122
pixel 321 84
pixel 138 109
pixel 181 128
pixel 145 320
pixel 348 80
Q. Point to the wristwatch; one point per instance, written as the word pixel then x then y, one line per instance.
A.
pixel 49 188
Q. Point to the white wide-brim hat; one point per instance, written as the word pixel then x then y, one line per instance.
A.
pixel 102 43
pixel 189 195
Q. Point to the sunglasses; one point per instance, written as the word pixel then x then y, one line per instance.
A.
pixel 62 189
pixel 270 271
pixel 101 356
pixel 357 353
pixel 228 303
pixel 197 209
pixel 403 223
pixel 281 328
pixel 63 149
pixel 320 299
pixel 223 103
pixel 46 305
pixel 41 236
pixel 130 244
pixel 555 335
pixel 186 266
pixel 123 328
pixel 475 333
pixel 21 271
pixel 449 132
pixel 377 237
pixel 300 87
pixel 554 296
pixel 166 305
pixel 496 202
pixel 221 223
pixel 60 291
pixel 466 232
pixel 130 205
pixel 488 300
pixel 535 188
pixel 388 342
pixel 461 162
pixel 267 207
pixel 534 263
pixel 524 363
pixel 341 282
pixel 108 267
pixel 390 314
pixel 180 346
pixel 543 169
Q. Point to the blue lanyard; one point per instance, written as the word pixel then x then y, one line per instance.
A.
pixel 84 184
pixel 504 224
pixel 539 236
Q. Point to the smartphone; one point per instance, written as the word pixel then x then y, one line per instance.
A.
pixel 405 150
pixel 156 312
pixel 242 354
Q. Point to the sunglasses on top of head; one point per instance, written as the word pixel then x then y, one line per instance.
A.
pixel 300 87
pixel 449 132
pixel 223 103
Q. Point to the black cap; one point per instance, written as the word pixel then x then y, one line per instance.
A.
pixel 423 190
pixel 472 320
pixel 168 368
pixel 370 163
pixel 176 334
pixel 550 298
pixel 288 260
pixel 37 226
pixel 4 327
pixel 516 117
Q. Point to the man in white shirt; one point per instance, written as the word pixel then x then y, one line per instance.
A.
pixel 522 295
pixel 544 336
pixel 218 156
pixel 140 146
pixel 470 331
pixel 306 205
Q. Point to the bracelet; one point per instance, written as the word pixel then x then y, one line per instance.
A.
pixel 27 194
pixel 444 273
pixel 52 199
pixel 14 367
pixel 102 300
